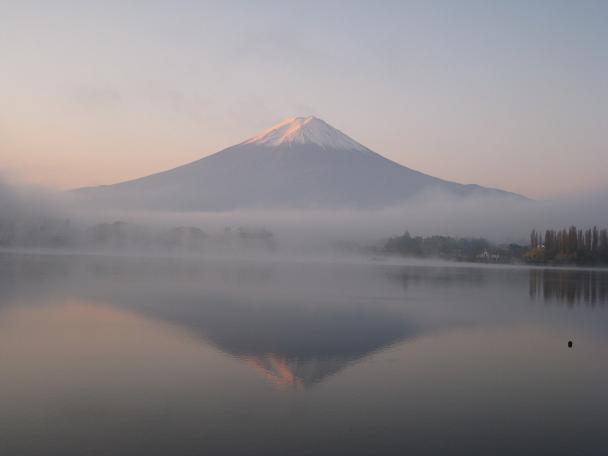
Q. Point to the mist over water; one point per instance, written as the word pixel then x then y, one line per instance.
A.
pixel 497 219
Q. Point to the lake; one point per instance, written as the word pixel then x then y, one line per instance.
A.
pixel 108 355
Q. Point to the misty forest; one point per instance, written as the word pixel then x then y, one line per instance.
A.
pixel 565 246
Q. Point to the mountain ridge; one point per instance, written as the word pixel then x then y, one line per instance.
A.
pixel 302 162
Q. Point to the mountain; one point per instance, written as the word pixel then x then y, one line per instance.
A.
pixel 302 162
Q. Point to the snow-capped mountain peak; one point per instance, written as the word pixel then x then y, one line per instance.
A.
pixel 306 130
pixel 300 163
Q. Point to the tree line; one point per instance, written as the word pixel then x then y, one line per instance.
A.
pixel 447 247
pixel 566 246
pixel 569 245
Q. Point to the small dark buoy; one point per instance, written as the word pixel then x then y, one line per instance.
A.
pixel 569 344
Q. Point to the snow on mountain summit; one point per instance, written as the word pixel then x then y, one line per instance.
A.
pixel 306 130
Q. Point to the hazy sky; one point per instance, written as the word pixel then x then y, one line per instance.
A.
pixel 510 94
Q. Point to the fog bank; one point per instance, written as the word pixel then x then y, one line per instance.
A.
pixel 497 219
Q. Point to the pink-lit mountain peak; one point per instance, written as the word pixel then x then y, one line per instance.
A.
pixel 306 130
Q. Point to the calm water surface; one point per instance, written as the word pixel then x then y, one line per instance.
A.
pixel 118 356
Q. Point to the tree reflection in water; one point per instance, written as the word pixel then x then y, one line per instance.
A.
pixel 570 287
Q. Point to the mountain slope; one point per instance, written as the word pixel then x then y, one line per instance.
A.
pixel 299 163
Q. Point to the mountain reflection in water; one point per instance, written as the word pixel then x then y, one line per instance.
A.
pixel 142 356
pixel 295 343
pixel 271 320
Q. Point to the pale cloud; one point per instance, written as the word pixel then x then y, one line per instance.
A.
pixel 97 97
